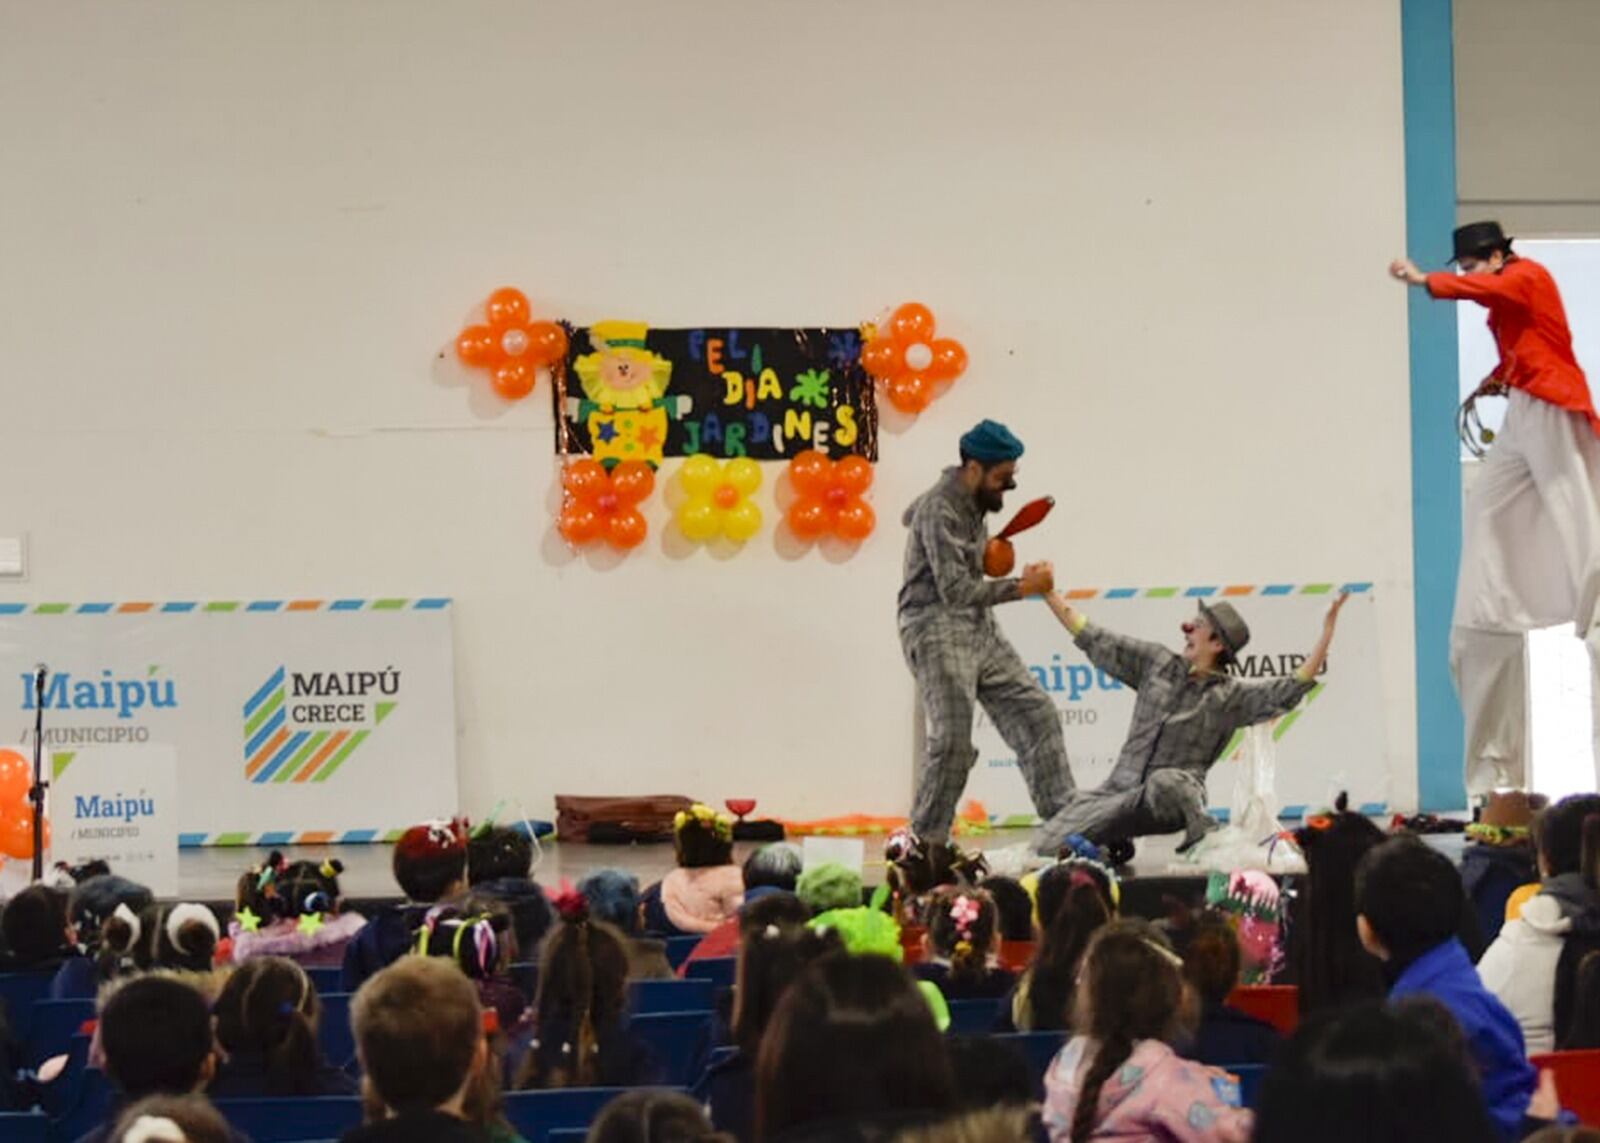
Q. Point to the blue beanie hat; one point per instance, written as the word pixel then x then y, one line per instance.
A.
pixel 990 442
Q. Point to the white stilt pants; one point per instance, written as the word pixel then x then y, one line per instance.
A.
pixel 1530 558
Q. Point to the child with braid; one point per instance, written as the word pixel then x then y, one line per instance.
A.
pixel 961 945
pixel 1117 1078
pixel 580 1035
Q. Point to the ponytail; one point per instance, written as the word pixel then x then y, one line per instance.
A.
pixel 1084 912
pixel 269 1007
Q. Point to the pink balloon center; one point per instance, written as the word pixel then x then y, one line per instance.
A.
pixel 606 502
pixel 836 497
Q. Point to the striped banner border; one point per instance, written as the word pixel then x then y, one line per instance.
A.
pixel 1220 591
pixel 290 837
pixel 227 606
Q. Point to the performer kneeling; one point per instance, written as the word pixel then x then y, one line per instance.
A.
pixel 1187 709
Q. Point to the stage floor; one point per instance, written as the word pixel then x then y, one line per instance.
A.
pixel 211 873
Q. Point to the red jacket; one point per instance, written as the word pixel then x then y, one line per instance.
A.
pixel 1530 327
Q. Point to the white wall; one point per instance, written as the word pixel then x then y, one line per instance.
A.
pixel 233 238
pixel 1527 113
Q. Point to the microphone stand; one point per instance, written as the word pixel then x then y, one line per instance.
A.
pixel 36 795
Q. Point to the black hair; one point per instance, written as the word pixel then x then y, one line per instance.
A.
pixel 1014 906
pixel 1373 1073
pixel 1325 954
pixel 583 994
pixel 852 1037
pixel 702 842
pixel 34 924
pixel 1411 896
pixel 269 1009
pixel 497 852
pixel 988 1072
pixel 429 875
pixel 280 888
pixel 96 898
pixel 1558 832
pixel 1082 905
pixel 654 1117
pixel 1212 958
pixel 771 955
pixel 156 1035
pixel 151 941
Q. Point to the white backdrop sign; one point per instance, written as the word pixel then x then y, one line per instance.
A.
pixel 118 803
pixel 1333 741
pixel 304 720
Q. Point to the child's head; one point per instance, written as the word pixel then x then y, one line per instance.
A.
pixel 961 928
pixel 269 1009
pixel 96 898
pixel 829 885
pixel 583 992
pixel 1212 961
pixel 654 1117
pixel 851 1037
pixel 771 955
pixel 1374 1072
pixel 279 888
pixel 497 852
pixel 430 861
pixel 1076 898
pixel 477 935
pixel 613 898
pixel 1408 900
pixel 1328 958
pixel 1581 1027
pixel 182 937
pixel 171 1119
pixel 702 837
pixel 771 909
pixel 989 1072
pixel 419 1034
pixel 1013 907
pixel 1131 989
pixel 1558 833
pixel 156 1034
pixel 35 925
pixel 776 865
pixel 916 866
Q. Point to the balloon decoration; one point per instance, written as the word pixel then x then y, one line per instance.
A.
pixel 16 811
pixel 718 499
pixel 601 505
pixel 512 346
pixel 910 361
pixel 829 497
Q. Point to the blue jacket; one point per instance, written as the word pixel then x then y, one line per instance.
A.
pixel 1446 973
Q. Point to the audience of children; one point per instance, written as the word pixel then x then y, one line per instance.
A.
pixel 1520 967
pixel 267 1016
pixel 831 1044
pixel 292 909
pixel 500 868
pixel 1118 1076
pixel 707 887
pixel 915 867
pixel 962 933
pixel 613 899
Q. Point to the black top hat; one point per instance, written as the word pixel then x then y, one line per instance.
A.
pixel 1476 239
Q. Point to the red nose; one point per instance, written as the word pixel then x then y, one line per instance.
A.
pixel 1188 628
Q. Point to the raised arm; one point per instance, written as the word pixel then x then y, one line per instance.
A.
pixel 1261 701
pixel 1129 660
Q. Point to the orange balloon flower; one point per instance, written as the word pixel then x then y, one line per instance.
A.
pixel 910 361
pixel 829 498
pixel 601 505
pixel 512 346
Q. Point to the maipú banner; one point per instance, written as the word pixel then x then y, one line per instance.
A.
pixel 291 720
pixel 1333 740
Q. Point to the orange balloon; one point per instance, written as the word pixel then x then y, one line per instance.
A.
pixel 633 481
pixel 584 479
pixel 910 394
pixel 855 521
pixel 949 360
pixel 580 524
pixel 882 358
pixel 16 831
pixel 16 777
pixel 808 518
pixel 514 380
pixel 547 342
pixel 477 345
pixel 911 323
pixel 810 473
pixel 853 474
pixel 507 306
pixel 626 529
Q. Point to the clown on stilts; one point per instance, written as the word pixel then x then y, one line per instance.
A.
pixel 1530 552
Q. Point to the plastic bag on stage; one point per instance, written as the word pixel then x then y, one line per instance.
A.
pixel 1250 839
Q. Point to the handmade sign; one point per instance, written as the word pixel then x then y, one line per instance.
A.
pixel 632 393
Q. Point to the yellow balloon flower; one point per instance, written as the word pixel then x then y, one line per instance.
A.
pixel 717 499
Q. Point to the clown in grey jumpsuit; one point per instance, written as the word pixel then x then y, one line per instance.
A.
pixel 960 659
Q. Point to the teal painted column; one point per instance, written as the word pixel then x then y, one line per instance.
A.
pixel 1430 128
